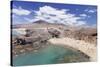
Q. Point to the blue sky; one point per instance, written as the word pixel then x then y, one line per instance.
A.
pixel 69 14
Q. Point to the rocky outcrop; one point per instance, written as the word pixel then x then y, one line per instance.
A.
pixel 33 36
pixel 54 32
pixel 88 35
pixel 32 41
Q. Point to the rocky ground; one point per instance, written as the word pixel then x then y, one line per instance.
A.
pixel 32 41
pixel 37 37
pixel 86 34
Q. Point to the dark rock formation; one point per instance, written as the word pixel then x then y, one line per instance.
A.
pixel 54 33
pixel 19 41
pixel 31 37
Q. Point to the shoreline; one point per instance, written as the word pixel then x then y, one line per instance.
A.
pixel 23 49
pixel 71 55
pixel 60 45
pixel 86 48
pixel 64 42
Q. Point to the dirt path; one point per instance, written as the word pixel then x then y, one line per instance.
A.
pixel 87 48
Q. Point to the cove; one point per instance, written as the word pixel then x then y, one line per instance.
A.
pixel 51 54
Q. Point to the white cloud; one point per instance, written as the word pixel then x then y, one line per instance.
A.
pixel 90 10
pixel 52 11
pixel 30 20
pixel 20 11
pixel 81 23
pixel 83 15
pixel 53 15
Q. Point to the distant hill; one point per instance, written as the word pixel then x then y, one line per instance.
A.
pixel 41 22
pixel 45 24
pixel 38 24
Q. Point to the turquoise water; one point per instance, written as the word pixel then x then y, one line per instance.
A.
pixel 50 55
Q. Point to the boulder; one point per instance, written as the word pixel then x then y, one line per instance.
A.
pixel 54 32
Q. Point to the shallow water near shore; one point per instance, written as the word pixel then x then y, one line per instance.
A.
pixel 51 54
